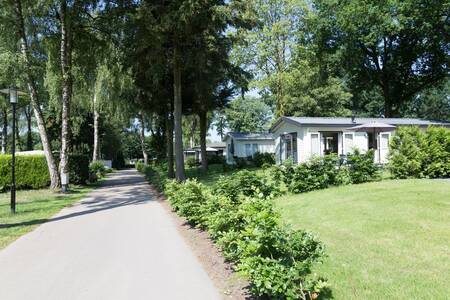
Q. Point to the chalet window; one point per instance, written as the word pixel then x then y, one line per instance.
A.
pixel 248 150
pixel 254 149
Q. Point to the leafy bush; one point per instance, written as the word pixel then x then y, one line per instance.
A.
pixel 216 159
pixel 362 167
pixel 188 199
pixel 241 162
pixel 31 172
pixel 317 173
pixel 322 172
pixel 436 161
pixel 140 166
pixel 247 183
pixel 276 259
pixel 191 162
pixel 406 152
pixel 79 168
pixel 417 153
pixel 263 159
pixel 97 169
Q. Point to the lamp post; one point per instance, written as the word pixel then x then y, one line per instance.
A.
pixel 13 99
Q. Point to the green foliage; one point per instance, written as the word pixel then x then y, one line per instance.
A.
pixel 363 37
pixel 246 183
pixel 416 153
pixel 78 168
pixel 97 170
pixel 317 173
pixel 322 172
pixel 263 159
pixel 140 166
pixel 248 115
pixel 406 152
pixel 31 172
pixel 191 162
pixel 188 200
pixel 437 159
pixel 361 166
pixel 276 259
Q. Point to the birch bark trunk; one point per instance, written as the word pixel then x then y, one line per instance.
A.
pixel 96 117
pixel 4 129
pixel 66 72
pixel 142 137
pixel 52 168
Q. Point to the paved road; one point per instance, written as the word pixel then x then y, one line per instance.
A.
pixel 116 244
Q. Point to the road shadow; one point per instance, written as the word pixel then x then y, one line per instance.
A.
pixel 123 188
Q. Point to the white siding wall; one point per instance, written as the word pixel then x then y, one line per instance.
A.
pixel 360 139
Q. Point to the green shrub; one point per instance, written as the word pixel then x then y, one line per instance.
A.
pixel 436 161
pixel 140 166
pixel 31 172
pixel 241 162
pixel 191 162
pixel 406 153
pixel 317 173
pixel 247 183
pixel 362 167
pixel 416 153
pixel 277 260
pixel 97 170
pixel 79 168
pixel 216 159
pixel 188 199
pixel 263 159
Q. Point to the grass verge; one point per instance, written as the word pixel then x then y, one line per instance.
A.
pixel 34 207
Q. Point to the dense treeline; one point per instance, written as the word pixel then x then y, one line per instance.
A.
pixel 143 79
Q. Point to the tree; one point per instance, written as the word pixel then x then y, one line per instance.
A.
pixel 248 115
pixel 268 48
pixel 220 122
pixel 432 104
pixel 400 46
pixel 33 91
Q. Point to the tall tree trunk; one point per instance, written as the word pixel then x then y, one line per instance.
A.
pixel 66 73
pixel 142 137
pixel 28 115
pixel 203 120
pixel 96 117
pixel 52 168
pixel 4 130
pixel 177 115
pixel 169 141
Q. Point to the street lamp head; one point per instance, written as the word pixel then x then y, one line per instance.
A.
pixel 13 95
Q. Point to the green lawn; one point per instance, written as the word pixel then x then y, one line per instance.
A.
pixel 33 208
pixel 385 240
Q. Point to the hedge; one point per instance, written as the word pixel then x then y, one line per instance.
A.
pixel 79 168
pixel 31 172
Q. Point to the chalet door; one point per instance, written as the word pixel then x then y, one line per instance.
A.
pixel 384 147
